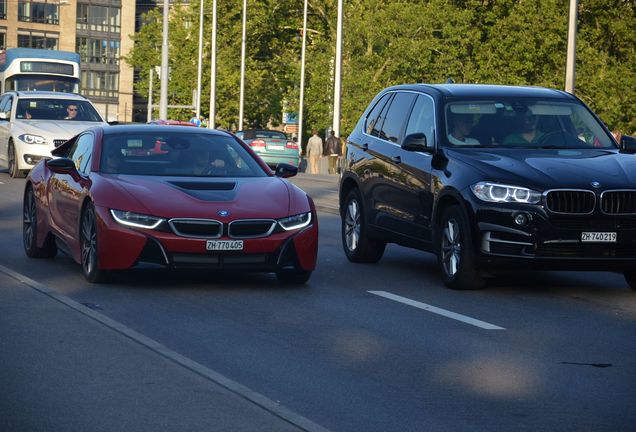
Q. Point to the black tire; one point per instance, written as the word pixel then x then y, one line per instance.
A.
pixel 13 163
pixel 455 255
pixel 89 246
pixel 356 243
pixel 630 278
pixel 298 277
pixel 30 232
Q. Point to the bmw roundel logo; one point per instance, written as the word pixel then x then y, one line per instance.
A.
pixel 596 185
pixel 223 213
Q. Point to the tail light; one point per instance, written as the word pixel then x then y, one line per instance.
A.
pixel 257 143
pixel 291 145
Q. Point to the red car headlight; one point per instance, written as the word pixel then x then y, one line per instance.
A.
pixel 295 222
pixel 136 220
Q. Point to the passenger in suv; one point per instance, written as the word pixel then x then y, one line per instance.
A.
pixel 34 123
pixel 532 178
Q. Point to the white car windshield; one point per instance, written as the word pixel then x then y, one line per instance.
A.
pixel 523 123
pixel 56 109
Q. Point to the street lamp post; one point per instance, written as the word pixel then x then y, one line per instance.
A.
pixel 163 96
pixel 338 74
pixel 242 91
pixel 200 66
pixel 570 64
pixel 211 121
pixel 302 81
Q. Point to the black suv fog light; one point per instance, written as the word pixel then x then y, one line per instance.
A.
pixel 521 219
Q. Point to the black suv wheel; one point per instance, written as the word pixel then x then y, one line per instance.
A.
pixel 356 243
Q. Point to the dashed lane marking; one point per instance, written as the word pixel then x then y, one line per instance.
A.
pixel 439 311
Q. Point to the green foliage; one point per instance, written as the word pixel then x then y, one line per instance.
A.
pixel 388 42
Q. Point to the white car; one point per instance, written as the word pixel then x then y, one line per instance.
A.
pixel 32 123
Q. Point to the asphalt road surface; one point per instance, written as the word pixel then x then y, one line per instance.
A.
pixel 382 347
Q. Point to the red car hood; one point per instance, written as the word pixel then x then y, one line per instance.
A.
pixel 262 197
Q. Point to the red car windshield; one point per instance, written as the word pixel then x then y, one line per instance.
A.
pixel 177 154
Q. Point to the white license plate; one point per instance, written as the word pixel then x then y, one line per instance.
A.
pixel 217 245
pixel 275 147
pixel 599 237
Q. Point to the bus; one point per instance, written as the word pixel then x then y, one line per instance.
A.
pixel 39 69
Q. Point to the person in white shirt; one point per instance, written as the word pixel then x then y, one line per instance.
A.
pixel 461 124
pixel 314 151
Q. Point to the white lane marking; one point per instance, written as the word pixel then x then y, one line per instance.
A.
pixel 448 314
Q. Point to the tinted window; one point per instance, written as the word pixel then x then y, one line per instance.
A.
pixel 82 152
pixel 422 119
pixel 177 154
pixel 396 117
pixel 523 123
pixel 374 116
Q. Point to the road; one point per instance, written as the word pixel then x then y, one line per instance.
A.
pixel 382 347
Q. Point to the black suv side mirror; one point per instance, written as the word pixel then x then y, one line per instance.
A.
pixel 628 144
pixel 416 142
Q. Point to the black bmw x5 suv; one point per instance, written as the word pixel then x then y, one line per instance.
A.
pixel 489 177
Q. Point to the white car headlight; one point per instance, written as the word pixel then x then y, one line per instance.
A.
pixel 135 219
pixel 295 222
pixel 494 192
pixel 32 139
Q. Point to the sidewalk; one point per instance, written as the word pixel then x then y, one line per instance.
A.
pixel 65 367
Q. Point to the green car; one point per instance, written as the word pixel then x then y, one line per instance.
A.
pixel 272 146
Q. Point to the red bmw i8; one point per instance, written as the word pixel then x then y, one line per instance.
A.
pixel 117 197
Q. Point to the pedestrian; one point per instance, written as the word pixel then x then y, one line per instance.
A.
pixel 332 151
pixel 314 151
pixel 195 120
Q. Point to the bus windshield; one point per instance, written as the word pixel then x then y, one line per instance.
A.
pixel 42 83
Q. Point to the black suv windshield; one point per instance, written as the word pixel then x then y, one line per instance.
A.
pixel 523 123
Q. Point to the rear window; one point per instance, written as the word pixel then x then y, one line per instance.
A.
pixel 177 154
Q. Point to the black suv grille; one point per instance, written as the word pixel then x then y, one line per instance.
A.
pixel 200 228
pixel 570 201
pixel 618 202
pixel 251 228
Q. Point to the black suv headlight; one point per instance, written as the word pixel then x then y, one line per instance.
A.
pixel 295 222
pixel 135 219
pixel 501 193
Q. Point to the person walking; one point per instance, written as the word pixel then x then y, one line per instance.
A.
pixel 314 151
pixel 332 151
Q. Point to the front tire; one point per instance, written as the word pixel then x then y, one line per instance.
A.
pixel 455 254
pixel 30 230
pixel 90 247
pixel 13 162
pixel 354 231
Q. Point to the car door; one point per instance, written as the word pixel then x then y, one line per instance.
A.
pixel 67 193
pixel 413 194
pixel 368 153
pixel 5 127
pixel 385 201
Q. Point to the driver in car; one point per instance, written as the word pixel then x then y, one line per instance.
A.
pixel 528 133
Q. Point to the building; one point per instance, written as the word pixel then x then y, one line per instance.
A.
pixel 96 29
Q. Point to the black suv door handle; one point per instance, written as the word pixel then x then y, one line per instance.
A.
pixel 396 159
pixel 365 147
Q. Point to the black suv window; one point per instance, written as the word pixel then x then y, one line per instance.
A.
pixel 376 116
pixel 396 116
pixel 422 119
